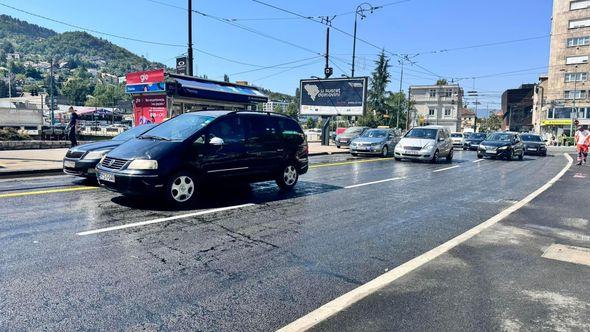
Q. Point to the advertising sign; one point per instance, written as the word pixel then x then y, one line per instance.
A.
pixel 145 77
pixel 340 96
pixel 149 109
pixel 150 87
pixel 181 65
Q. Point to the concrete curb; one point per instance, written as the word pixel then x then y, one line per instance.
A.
pixel 25 173
pixel 313 154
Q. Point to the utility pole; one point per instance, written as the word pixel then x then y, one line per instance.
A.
pixel 360 11
pixel 574 108
pixel 328 71
pixel 190 38
pixel 51 105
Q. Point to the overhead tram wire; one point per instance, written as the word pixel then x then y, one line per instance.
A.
pixel 91 30
pixel 284 71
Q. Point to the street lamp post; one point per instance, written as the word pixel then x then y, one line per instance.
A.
pixel 360 11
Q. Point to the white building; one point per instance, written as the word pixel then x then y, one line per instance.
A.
pixel 437 105
pixel 273 104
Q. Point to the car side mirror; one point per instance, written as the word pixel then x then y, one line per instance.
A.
pixel 216 141
pixel 441 139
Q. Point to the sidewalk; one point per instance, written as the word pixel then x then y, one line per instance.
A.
pixel 528 272
pixel 15 162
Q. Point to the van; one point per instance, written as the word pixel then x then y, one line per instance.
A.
pixel 174 158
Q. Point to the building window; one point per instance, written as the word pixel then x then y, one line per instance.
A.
pixel 575 60
pixel 578 41
pixel 577 94
pixel 580 4
pixel 447 112
pixel 576 77
pixel 581 23
pixel 432 93
pixel 431 111
pixel 448 93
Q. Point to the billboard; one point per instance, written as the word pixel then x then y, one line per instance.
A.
pixel 339 96
pixel 149 109
pixel 145 77
pixel 181 65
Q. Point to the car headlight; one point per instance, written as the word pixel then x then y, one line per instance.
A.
pixel 376 144
pixel 428 146
pixel 143 164
pixel 503 147
pixel 481 146
pixel 95 154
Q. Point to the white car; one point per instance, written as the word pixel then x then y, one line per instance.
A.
pixel 427 143
pixel 458 139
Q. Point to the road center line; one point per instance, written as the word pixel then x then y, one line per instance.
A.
pixel 43 192
pixel 445 169
pixel 374 182
pixel 340 303
pixel 160 220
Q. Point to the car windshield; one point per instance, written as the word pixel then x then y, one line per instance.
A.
pixel 477 136
pixel 353 130
pixel 456 135
pixel 501 137
pixel 422 133
pixel 375 134
pixel 133 132
pixel 531 138
pixel 178 128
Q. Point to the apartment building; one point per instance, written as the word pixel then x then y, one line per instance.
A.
pixel 274 105
pixel 567 90
pixel 437 105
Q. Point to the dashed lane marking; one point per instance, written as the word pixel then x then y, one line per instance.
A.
pixel 44 192
pixel 161 220
pixel 444 169
pixel 374 182
pixel 478 160
pixel 337 305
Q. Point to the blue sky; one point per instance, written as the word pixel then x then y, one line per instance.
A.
pixel 414 26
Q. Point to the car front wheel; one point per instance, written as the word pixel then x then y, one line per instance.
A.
pixel 288 177
pixel 450 155
pixel 434 157
pixel 181 189
pixel 385 152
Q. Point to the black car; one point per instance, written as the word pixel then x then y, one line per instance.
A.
pixel 474 140
pixel 502 145
pixel 175 157
pixel 82 159
pixel 534 144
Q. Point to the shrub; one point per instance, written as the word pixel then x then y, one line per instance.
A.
pixel 11 134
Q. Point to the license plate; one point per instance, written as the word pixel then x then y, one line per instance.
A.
pixel 343 140
pixel 69 164
pixel 108 177
pixel 490 151
pixel 532 149
pixel 413 153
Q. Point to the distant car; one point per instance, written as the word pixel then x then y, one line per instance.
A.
pixel 427 143
pixel 374 142
pixel 473 141
pixel 534 144
pixel 82 159
pixel 504 145
pixel 458 139
pixel 348 135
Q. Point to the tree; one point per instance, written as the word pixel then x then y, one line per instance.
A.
pixel 397 104
pixel 494 122
pixel 442 81
pixel 278 109
pixel 225 78
pixel 379 80
pixel 4 89
pixel 292 110
pixel 107 95
pixel 77 90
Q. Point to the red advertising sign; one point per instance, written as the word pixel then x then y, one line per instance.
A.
pixel 149 109
pixel 144 77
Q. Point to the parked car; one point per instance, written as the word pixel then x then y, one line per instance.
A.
pixel 474 140
pixel 504 145
pixel 427 143
pixel 534 144
pixel 348 135
pixel 374 142
pixel 81 160
pixel 175 157
pixel 458 139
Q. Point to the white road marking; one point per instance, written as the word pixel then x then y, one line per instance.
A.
pixel 374 182
pixel 478 160
pixel 160 220
pixel 445 169
pixel 333 307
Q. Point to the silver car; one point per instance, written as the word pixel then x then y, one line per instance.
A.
pixel 427 143
pixel 379 142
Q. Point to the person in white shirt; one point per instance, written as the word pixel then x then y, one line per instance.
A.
pixel 582 140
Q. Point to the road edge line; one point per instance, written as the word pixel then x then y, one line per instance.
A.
pixel 160 220
pixel 344 301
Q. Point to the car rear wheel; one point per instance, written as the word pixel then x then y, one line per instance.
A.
pixel 521 156
pixel 434 157
pixel 288 178
pixel 384 152
pixel 450 155
pixel 181 189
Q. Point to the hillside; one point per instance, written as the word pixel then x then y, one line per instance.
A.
pixel 36 43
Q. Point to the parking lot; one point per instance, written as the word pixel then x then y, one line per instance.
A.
pixel 246 257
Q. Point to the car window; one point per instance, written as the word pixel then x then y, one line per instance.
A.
pixel 131 133
pixel 422 133
pixel 456 135
pixel 354 130
pixel 290 130
pixel 375 133
pixel 531 138
pixel 502 137
pixel 180 127
pixel 229 129
pixel 262 128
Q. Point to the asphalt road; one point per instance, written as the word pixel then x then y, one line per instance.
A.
pixel 249 267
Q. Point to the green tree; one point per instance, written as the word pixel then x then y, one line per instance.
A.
pixel 107 95
pixel 442 81
pixel 292 110
pixel 310 123
pixel 397 104
pixel 77 90
pixel 278 109
pixel 380 78
pixel 493 122
pixel 33 73
pixel 370 120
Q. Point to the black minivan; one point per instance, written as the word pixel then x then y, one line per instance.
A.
pixel 175 157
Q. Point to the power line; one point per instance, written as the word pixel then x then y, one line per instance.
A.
pixel 284 71
pixel 90 30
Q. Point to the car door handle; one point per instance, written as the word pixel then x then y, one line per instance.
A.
pixel 280 150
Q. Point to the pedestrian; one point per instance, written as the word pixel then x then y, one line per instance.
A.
pixel 582 140
pixel 71 128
